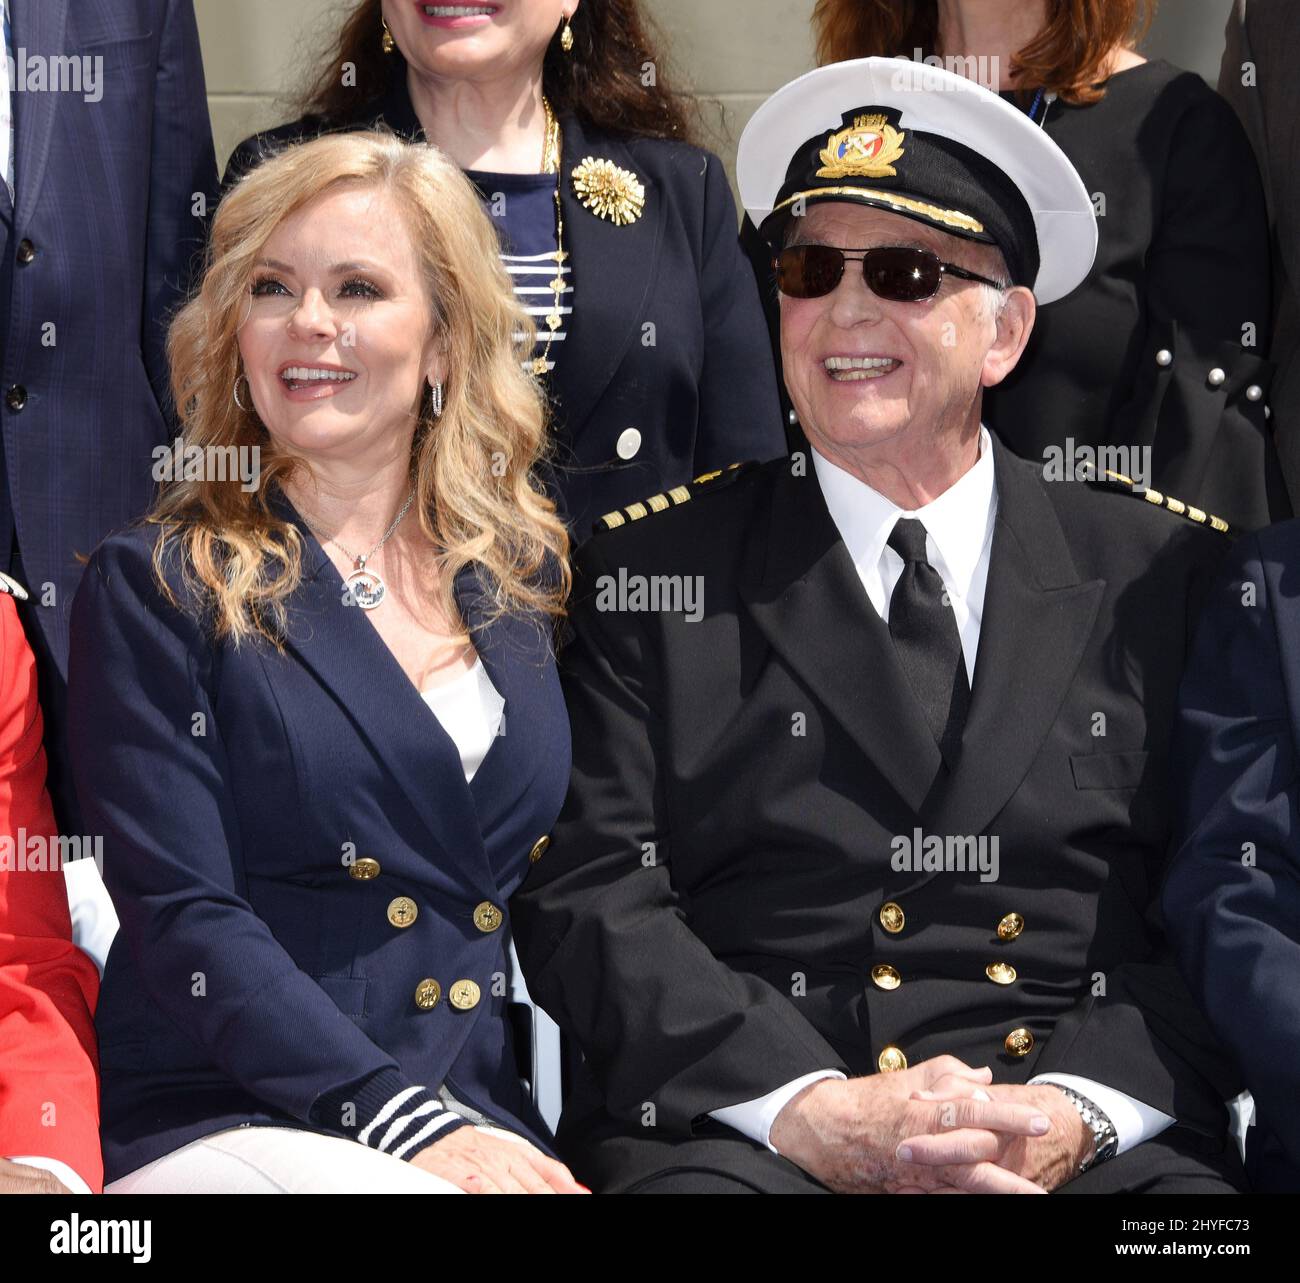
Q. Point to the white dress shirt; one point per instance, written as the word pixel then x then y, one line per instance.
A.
pixel 959 538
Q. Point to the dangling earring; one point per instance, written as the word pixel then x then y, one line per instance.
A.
pixel 437 400
pixel 387 40
pixel 566 37
pixel 246 409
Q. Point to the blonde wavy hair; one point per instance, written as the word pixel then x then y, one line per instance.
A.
pixel 474 468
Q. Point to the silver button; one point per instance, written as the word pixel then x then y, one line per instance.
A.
pixel 1254 392
pixel 1217 377
pixel 629 442
pixel 793 416
pixel 1164 357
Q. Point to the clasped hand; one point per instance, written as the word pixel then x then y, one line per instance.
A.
pixel 939 1127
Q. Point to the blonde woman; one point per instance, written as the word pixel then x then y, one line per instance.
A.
pixel 290 687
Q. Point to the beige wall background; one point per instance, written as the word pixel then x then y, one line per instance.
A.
pixel 257 53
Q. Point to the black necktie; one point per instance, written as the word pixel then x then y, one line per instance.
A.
pixel 924 630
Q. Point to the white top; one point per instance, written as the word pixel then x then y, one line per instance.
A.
pixel 471 712
pixel 958 542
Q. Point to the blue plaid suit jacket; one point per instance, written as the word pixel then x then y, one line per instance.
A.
pixel 96 250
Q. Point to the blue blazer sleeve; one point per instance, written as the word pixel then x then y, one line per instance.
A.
pixel 152 775
pixel 183 166
pixel 740 410
pixel 1232 897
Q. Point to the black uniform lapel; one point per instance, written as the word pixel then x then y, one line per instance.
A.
pixel 805 595
pixel 613 269
pixel 1038 617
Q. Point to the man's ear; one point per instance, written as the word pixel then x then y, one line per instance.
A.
pixel 1015 322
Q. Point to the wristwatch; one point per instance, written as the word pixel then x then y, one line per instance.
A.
pixel 1105 1140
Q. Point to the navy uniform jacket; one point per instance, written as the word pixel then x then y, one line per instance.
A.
pixel 1232 898
pixel 262 814
pixel 720 911
pixel 667 335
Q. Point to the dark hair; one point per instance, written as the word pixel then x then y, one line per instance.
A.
pixel 602 81
pixel 1067 57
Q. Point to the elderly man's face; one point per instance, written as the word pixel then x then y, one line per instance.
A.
pixel 941 352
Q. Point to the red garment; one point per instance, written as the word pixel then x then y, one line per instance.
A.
pixel 49 1080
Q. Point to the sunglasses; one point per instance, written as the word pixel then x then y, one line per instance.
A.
pixel 894 272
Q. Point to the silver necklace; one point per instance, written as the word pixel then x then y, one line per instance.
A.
pixel 365 587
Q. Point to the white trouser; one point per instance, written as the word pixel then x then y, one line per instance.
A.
pixel 278 1160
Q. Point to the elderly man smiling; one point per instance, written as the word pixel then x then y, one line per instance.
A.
pixel 911 644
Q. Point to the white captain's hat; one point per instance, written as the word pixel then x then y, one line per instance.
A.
pixel 930 145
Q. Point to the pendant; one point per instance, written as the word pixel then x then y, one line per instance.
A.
pixel 366 588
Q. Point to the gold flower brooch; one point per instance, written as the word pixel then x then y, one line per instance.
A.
pixel 609 191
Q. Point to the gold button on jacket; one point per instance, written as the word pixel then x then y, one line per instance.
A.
pixel 892 917
pixel 463 995
pixel 891 1060
pixel 1001 973
pixel 539 849
pixel 487 917
pixel 402 911
pixel 1019 1042
pixel 427 993
pixel 364 869
pixel 885 977
pixel 1010 926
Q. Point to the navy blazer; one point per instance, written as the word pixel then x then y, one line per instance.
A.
pixel 94 258
pixel 241 793
pixel 1232 896
pixel 667 334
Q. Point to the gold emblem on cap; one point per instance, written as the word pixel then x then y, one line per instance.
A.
pixel 609 191
pixel 868 148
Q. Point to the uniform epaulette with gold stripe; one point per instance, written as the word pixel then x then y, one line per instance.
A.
pixel 673 498
pixel 11 587
pixel 1118 481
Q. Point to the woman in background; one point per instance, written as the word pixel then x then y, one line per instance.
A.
pixel 1163 345
pixel 619 234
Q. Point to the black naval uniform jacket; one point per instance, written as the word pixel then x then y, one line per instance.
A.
pixel 719 887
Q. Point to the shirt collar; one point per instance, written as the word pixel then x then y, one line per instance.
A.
pixel 959 522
